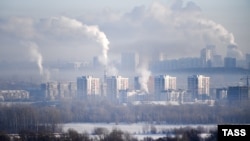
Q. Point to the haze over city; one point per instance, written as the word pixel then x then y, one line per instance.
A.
pixel 152 62
pixel 78 31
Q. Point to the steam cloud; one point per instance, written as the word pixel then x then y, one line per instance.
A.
pixel 144 75
pixel 36 55
pixel 101 38
pixel 224 36
pixel 182 29
pixel 218 30
pixel 65 25
pixel 234 52
pixel 178 30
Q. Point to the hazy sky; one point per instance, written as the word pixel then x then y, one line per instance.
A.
pixel 60 29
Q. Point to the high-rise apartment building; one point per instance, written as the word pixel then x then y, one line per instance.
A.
pixel 137 85
pixel 238 93
pixel 50 90
pixel 88 86
pixel 206 55
pixel 198 85
pixel 164 82
pixel 116 84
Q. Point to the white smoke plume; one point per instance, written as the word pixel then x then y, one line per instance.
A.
pixel 35 55
pixel 234 52
pixel 178 30
pixel 101 38
pixel 68 26
pixel 144 75
pixel 180 27
pixel 217 30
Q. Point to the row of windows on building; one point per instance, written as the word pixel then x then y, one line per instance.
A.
pixel 160 88
pixel 113 86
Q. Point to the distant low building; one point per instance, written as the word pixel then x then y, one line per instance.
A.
pixel 14 95
pixel 58 90
pixel 126 96
pixel 173 95
pixel 221 93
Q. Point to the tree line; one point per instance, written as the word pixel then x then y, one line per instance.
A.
pixel 16 118
pixel 105 111
pixel 46 117
pixel 102 134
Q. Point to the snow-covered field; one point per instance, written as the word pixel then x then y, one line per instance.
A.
pixel 134 128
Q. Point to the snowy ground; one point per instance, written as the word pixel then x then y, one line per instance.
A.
pixel 139 130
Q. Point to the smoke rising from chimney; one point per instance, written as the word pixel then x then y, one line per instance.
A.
pixel 218 30
pixel 224 36
pixel 35 55
pixel 64 25
pixel 102 39
pixel 144 75
pixel 178 31
pixel 234 52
